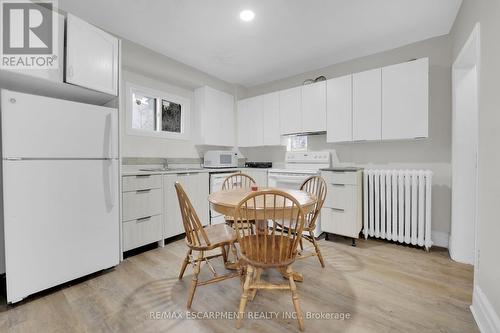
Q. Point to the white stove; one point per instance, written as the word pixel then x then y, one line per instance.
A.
pixel 304 162
pixel 298 167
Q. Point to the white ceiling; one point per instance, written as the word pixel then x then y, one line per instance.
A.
pixel 287 37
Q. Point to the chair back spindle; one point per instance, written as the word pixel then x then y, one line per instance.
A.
pixel 238 180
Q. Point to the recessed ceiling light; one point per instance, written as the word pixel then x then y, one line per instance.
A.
pixel 247 15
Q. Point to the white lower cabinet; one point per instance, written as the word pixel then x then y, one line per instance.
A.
pixel 141 231
pixel 141 203
pixel 142 210
pixel 196 187
pixel 150 210
pixel 342 211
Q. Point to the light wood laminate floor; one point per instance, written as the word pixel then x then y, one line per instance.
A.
pixel 384 287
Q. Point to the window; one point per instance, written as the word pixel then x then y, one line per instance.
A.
pixel 143 112
pixel 297 143
pixel 171 115
pixel 154 113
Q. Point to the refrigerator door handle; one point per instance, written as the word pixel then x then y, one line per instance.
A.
pixel 109 183
pixel 108 137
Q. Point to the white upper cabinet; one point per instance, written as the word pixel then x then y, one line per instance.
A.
pixel 91 57
pixel 314 107
pixel 250 122
pixel 290 111
pixel 405 100
pixel 367 105
pixel 214 117
pixel 258 121
pixel 271 119
pixel 244 114
pixel 339 109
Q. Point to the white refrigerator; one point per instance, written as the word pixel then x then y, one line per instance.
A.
pixel 60 191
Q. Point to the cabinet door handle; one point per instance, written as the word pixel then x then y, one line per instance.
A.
pixel 143 219
pixel 338 210
pixel 142 176
pixel 143 191
pixel 335 184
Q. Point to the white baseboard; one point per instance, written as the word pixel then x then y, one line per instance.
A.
pixel 486 318
pixel 440 238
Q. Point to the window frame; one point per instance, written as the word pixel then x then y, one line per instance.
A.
pixel 185 103
pixel 289 146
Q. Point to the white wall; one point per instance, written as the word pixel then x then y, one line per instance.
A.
pixel 486 300
pixel 433 153
pixel 145 146
pixel 147 68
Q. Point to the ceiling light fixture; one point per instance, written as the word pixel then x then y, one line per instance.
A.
pixel 247 15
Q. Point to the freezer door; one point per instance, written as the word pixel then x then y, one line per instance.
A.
pixel 41 127
pixel 61 222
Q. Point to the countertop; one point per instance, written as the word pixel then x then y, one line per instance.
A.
pixel 130 171
pixel 343 169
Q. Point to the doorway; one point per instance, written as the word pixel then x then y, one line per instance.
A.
pixel 465 116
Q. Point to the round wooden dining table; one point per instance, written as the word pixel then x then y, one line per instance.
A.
pixel 226 201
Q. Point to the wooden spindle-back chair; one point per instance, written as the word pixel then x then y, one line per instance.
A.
pixel 266 244
pixel 234 181
pixel 202 239
pixel 317 186
pixel 238 180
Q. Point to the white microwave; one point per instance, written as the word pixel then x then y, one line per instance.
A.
pixel 220 159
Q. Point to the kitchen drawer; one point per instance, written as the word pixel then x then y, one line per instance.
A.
pixel 141 203
pixel 140 232
pixel 340 222
pixel 344 178
pixel 340 196
pixel 140 182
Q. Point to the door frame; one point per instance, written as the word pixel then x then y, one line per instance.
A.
pixel 469 58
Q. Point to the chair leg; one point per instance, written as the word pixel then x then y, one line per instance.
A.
pixel 244 296
pixel 184 264
pixel 295 298
pixel 194 282
pixel 316 248
pixel 224 253
pixel 301 245
pixel 256 279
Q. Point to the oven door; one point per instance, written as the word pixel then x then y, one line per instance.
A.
pixel 290 180
pixel 286 180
